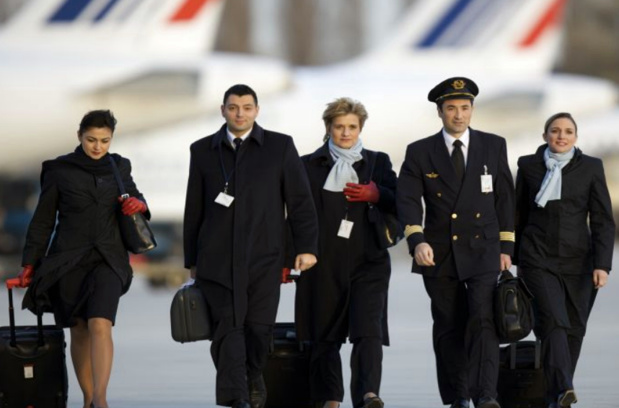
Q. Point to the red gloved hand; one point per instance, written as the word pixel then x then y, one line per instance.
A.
pixel 286 275
pixel 132 205
pixel 362 192
pixel 25 276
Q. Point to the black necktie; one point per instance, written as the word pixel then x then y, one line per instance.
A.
pixel 237 143
pixel 457 158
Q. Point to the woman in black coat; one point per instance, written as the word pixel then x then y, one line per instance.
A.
pixel 565 236
pixel 82 274
pixel 345 294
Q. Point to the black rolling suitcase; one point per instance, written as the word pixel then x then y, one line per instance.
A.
pixel 521 376
pixel 287 372
pixel 33 371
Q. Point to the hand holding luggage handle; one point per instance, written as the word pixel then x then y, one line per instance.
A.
pixel 10 284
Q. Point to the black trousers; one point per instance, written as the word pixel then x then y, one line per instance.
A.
pixel 326 382
pixel 562 305
pixel 464 337
pixel 239 352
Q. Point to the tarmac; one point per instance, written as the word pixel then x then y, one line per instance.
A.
pixel 151 370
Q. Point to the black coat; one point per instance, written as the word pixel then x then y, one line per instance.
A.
pixel 85 207
pixel 244 244
pixel 323 299
pixel 579 226
pixel 474 227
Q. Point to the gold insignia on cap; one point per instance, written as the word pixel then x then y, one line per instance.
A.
pixel 412 229
pixel 432 175
pixel 507 236
pixel 458 84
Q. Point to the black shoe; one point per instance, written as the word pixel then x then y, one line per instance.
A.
pixel 487 402
pixel 373 402
pixel 241 404
pixel 257 392
pixel 566 399
pixel 460 403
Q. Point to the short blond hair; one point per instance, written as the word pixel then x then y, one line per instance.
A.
pixel 340 107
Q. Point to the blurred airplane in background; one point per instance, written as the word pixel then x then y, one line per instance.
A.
pixel 508 47
pixel 149 61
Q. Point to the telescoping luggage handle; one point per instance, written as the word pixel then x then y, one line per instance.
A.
pixel 10 284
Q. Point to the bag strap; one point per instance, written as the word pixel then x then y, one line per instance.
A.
pixel 119 181
pixel 13 341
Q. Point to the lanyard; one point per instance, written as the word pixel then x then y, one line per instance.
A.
pixel 227 176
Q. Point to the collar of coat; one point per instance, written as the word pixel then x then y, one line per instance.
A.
pixel 539 153
pixel 323 156
pixel 257 134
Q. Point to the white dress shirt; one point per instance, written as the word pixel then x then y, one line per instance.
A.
pixel 465 138
pixel 231 137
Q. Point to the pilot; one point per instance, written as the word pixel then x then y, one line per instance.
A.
pixel 464 180
pixel 243 179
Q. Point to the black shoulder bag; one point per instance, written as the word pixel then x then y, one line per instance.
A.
pixel 386 225
pixel 134 229
pixel 513 311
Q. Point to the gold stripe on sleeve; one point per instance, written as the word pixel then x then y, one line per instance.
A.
pixel 412 229
pixel 507 236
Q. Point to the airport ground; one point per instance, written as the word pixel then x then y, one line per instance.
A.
pixel 151 370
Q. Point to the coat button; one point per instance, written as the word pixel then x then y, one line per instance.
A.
pixel 455 237
pixel 454 216
pixel 477 215
pixel 476 236
pixel 439 195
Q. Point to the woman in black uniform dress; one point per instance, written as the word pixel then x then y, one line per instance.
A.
pixel 82 274
pixel 565 237
pixel 345 294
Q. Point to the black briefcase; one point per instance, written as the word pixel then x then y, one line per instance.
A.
pixel 287 371
pixel 33 370
pixel 521 375
pixel 190 318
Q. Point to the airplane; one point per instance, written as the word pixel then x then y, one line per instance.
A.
pixel 151 62
pixel 508 47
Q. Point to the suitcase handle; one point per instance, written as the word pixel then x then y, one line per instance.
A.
pixel 10 284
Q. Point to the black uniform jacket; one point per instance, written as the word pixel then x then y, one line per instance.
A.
pixel 474 226
pixel 324 292
pixel 243 244
pixel 561 230
pixel 81 210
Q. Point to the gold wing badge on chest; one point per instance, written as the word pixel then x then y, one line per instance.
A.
pixel 432 175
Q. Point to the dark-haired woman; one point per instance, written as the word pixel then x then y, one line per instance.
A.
pixel 81 275
pixel 345 294
pixel 565 237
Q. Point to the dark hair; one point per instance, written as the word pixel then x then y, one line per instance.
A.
pixel 103 118
pixel 240 90
pixel 559 116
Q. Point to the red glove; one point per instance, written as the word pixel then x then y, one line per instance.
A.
pixel 132 205
pixel 362 192
pixel 25 276
pixel 286 275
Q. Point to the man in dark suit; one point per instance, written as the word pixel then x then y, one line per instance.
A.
pixel 465 182
pixel 243 180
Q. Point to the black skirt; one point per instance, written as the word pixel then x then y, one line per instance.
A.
pixel 90 289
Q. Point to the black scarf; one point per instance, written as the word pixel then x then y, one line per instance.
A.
pixel 79 158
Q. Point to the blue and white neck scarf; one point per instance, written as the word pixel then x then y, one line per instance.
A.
pixel 342 171
pixel 551 185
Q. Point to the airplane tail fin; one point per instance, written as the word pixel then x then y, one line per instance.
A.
pixel 101 27
pixel 520 34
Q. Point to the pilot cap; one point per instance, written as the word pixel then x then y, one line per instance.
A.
pixel 453 88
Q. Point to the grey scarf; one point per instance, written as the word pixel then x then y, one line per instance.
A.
pixel 342 171
pixel 551 185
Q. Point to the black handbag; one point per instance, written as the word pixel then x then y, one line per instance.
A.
pixel 387 227
pixel 134 229
pixel 513 311
pixel 190 318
